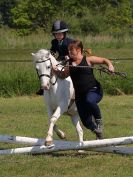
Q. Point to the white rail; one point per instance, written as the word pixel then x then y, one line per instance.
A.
pixel 105 145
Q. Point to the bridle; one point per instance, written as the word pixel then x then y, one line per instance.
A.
pixel 46 75
pixel 42 75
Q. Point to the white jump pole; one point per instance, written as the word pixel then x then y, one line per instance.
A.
pixel 65 145
pixel 21 140
pixel 40 141
pixel 44 149
pixel 115 150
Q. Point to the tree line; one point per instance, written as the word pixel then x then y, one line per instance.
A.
pixel 88 17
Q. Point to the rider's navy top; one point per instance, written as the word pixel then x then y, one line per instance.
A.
pixel 83 78
pixel 61 47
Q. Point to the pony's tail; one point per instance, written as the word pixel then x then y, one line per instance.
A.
pixel 87 52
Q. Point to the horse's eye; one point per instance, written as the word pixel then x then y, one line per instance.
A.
pixel 48 67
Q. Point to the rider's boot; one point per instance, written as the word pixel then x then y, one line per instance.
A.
pixel 99 130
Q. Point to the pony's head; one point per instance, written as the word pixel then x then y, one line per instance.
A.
pixel 41 55
pixel 43 63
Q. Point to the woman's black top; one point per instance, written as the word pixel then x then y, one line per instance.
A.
pixel 83 78
pixel 61 47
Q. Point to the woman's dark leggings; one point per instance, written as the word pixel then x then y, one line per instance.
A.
pixel 87 107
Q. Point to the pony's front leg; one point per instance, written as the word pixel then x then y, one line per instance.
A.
pixel 59 111
pixel 59 132
pixel 78 127
pixel 49 138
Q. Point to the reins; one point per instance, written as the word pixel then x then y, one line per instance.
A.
pixel 101 69
pixel 63 64
pixel 107 71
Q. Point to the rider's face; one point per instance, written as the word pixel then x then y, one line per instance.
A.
pixel 59 36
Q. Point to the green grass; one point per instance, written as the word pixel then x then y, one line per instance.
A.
pixel 20 78
pixel 17 78
pixel 10 40
pixel 27 116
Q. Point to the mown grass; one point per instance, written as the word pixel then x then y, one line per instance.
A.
pixel 27 116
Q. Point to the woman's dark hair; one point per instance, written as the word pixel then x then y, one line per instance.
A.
pixel 77 44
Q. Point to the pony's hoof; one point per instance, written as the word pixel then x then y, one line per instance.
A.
pixel 49 143
pixel 61 135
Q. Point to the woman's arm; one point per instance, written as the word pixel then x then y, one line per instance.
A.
pixel 100 60
pixel 61 73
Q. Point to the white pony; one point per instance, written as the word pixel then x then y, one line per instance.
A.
pixel 57 95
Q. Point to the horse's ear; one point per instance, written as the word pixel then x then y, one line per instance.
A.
pixel 32 54
pixel 48 54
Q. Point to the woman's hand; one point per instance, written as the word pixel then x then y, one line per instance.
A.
pixel 63 73
pixel 111 68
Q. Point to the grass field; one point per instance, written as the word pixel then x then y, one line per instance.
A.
pixel 20 78
pixel 27 116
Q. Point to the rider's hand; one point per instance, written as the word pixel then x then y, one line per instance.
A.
pixel 55 69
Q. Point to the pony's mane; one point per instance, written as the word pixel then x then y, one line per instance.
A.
pixel 44 54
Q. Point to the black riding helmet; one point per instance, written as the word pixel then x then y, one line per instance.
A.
pixel 59 27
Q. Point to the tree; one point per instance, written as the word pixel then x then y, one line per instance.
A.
pixel 84 16
pixel 30 15
pixel 5 11
pixel 119 19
